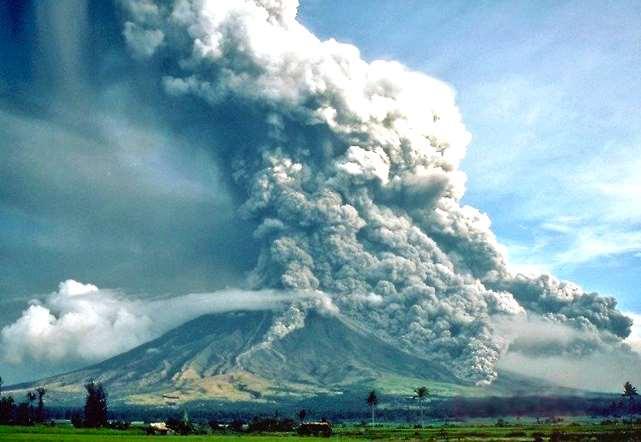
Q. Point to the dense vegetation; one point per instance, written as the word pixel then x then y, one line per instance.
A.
pixel 25 412
pixel 560 431
pixel 613 417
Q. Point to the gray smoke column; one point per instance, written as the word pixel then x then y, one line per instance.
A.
pixel 351 173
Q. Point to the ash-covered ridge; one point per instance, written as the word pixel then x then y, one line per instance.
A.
pixel 219 357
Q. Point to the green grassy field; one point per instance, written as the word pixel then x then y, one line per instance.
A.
pixel 69 434
pixel 463 432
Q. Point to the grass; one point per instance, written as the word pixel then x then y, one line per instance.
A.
pixel 463 432
pixel 399 385
pixel 70 434
pixel 487 432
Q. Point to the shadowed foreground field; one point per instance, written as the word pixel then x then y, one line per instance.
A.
pixel 563 432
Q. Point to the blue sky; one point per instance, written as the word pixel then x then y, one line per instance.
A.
pixel 550 92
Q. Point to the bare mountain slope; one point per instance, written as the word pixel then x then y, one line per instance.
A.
pixel 223 357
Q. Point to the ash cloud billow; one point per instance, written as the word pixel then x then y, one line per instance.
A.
pixel 350 170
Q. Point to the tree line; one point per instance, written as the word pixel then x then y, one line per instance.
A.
pixel 420 394
pixel 32 410
pixel 24 412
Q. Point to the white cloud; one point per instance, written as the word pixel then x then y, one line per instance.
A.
pixel 592 242
pixel 81 323
pixel 599 371
pixel 570 356
pixel 604 220
pixel 634 340
pixel 75 288
pixel 572 177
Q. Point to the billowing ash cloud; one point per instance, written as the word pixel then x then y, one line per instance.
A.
pixel 351 172
pixel 81 323
pixel 567 355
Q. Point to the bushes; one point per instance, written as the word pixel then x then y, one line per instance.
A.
pixel 7 410
pixel 271 425
pixel 23 415
pixel 119 425
pixel 76 419
pixel 538 437
pixel 315 429
pixel 558 436
pixel 256 425
pixel 180 426
pixel 12 414
pixel 237 425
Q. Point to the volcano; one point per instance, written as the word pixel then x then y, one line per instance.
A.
pixel 226 358
pixel 297 172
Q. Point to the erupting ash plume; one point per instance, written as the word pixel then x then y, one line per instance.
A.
pixel 350 170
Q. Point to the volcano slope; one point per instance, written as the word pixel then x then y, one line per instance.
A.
pixel 228 358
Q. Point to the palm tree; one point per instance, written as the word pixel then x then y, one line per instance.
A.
pixel 629 391
pixel 31 397
pixel 372 402
pixel 421 395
